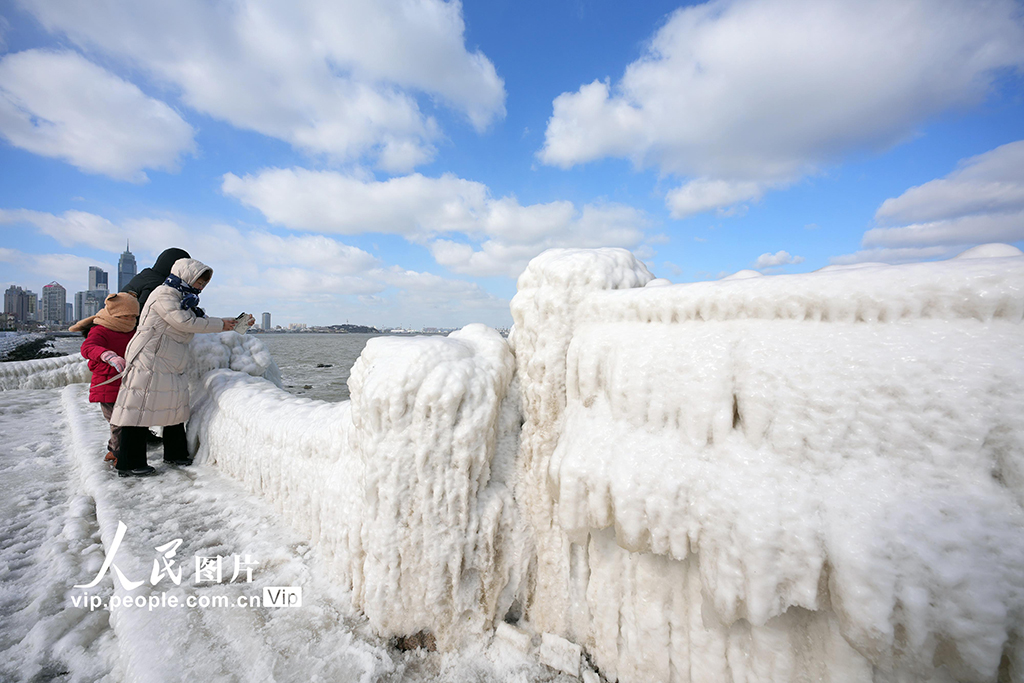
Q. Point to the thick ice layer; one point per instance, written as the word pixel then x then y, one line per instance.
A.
pixel 403 488
pixel 777 478
pixel 44 373
pixel 232 351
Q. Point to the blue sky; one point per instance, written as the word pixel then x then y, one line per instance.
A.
pixel 398 163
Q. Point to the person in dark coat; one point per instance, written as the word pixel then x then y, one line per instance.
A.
pixel 106 338
pixel 150 278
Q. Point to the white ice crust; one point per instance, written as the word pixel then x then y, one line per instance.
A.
pixel 802 477
pixel 777 478
pixel 44 373
pixel 404 488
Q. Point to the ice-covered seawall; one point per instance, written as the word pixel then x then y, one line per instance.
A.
pixel 44 373
pixel 806 477
pixel 405 489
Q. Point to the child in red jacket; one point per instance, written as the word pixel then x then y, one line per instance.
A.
pixel 106 337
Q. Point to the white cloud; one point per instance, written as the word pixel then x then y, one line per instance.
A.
pixel 981 201
pixel 326 201
pixel 432 211
pixel 68 270
pixel 901 255
pixel 989 183
pixel 330 77
pixel 58 104
pixel 779 258
pixel 750 93
pixel 705 194
pixel 977 229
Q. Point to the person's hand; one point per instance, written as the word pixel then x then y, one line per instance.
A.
pixel 113 360
pixel 229 324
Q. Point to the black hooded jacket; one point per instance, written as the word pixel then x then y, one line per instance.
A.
pixel 151 278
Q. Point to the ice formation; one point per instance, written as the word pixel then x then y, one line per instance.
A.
pixel 787 478
pixel 804 477
pixel 405 489
pixel 44 373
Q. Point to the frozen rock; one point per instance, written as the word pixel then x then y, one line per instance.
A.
pixel 516 637
pixel 560 654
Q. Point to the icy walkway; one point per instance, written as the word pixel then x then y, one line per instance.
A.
pixel 59 499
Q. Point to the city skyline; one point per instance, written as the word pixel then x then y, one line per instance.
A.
pixel 408 175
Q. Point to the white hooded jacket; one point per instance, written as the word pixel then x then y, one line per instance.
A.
pixel 154 390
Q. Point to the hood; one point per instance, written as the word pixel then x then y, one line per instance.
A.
pixel 166 260
pixel 189 270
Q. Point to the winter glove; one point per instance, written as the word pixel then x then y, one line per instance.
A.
pixel 113 360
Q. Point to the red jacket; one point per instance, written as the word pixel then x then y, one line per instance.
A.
pixel 101 339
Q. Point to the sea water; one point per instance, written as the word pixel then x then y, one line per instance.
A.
pixel 312 365
pixel 316 365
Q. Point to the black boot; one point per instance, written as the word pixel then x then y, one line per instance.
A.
pixel 176 446
pixel 146 471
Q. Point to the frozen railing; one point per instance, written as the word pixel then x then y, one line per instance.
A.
pixel 44 373
pixel 802 477
pixel 405 489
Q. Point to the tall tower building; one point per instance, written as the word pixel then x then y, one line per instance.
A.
pixel 266 321
pixel 54 299
pixel 98 277
pixel 126 268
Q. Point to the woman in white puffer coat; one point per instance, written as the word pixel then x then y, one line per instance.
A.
pixel 154 390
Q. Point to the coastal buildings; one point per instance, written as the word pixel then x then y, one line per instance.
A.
pixel 54 300
pixel 16 303
pixel 98 278
pixel 266 321
pixel 126 268
pixel 90 301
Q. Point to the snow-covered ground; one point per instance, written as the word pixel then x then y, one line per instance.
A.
pixel 61 506
pixel 791 478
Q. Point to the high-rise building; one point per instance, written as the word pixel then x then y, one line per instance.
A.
pixel 126 268
pixel 89 302
pixel 266 321
pixel 69 313
pixel 16 303
pixel 54 300
pixel 98 278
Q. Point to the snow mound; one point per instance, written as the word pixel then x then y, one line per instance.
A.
pixel 44 373
pixel 404 488
pixel 813 476
pixel 994 250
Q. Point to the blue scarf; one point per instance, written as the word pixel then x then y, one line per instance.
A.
pixel 189 294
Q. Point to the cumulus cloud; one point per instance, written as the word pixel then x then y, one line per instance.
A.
pixel 705 194
pixel 779 258
pixel 743 95
pixel 58 104
pixel 981 201
pixel 466 229
pixel 335 78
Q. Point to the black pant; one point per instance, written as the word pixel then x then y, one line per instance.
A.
pixel 132 455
